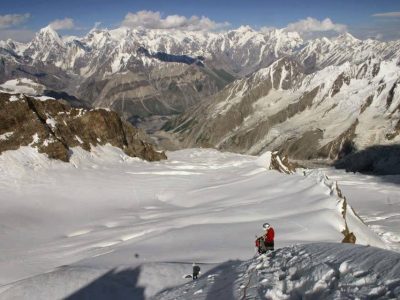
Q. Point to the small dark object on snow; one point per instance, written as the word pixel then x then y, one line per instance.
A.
pixel 136 255
pixel 196 271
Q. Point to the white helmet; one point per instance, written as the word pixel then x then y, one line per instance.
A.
pixel 266 226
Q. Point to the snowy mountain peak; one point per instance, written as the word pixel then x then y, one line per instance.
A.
pixel 49 34
pixel 244 28
pixel 347 37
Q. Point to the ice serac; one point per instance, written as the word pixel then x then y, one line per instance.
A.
pixel 54 128
pixel 326 114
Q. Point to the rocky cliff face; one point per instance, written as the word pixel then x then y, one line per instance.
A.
pixel 326 114
pixel 54 128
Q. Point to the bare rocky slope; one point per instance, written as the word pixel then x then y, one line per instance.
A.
pixel 54 128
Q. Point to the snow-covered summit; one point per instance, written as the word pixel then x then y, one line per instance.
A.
pixel 48 34
pixel 243 41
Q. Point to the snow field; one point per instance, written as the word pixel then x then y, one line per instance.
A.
pixel 105 211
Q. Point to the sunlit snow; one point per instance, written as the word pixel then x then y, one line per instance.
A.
pixel 105 210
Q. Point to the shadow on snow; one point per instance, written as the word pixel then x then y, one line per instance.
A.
pixel 112 285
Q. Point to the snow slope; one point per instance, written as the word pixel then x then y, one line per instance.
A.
pixel 313 271
pixel 106 216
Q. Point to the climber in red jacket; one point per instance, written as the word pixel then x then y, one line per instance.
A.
pixel 266 242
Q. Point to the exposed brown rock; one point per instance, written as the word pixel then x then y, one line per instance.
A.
pixel 349 237
pixel 381 88
pixel 282 165
pixel 395 132
pixel 367 103
pixel 54 127
pixel 376 69
pixel 337 85
pixel 362 71
pixel 390 96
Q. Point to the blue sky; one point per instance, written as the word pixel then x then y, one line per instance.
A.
pixel 21 18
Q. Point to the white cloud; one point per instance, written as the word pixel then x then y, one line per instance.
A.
pixel 154 20
pixel 66 23
pixel 7 21
pixel 314 25
pixel 392 14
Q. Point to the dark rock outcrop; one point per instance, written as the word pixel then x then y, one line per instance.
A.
pixel 55 127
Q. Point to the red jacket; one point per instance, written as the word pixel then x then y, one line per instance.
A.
pixel 268 237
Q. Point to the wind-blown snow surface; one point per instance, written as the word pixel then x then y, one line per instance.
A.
pixel 106 218
pixel 312 271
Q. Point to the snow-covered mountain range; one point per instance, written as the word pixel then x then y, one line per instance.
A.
pixel 326 114
pixel 142 72
pixel 243 90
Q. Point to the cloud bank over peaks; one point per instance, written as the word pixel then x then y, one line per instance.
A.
pixel 154 20
pixel 7 21
pixel 62 24
pixel 313 25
